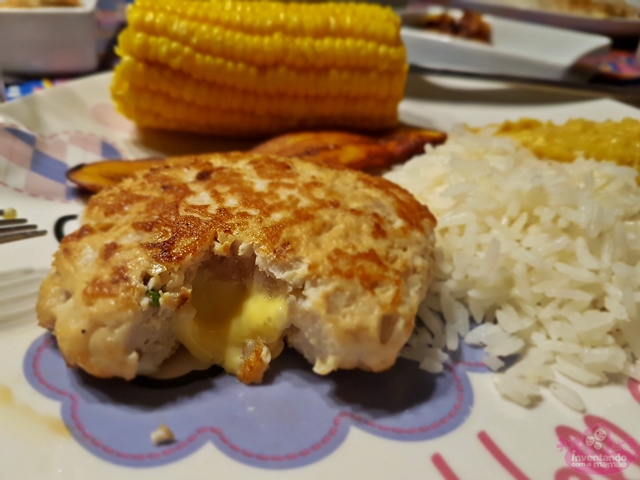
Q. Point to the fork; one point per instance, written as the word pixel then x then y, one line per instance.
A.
pixel 12 229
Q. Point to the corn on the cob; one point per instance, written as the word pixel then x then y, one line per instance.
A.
pixel 233 67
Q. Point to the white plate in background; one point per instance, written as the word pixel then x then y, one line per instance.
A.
pixel 614 27
pixel 517 49
pixel 40 435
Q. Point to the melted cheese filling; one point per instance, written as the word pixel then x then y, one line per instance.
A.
pixel 229 318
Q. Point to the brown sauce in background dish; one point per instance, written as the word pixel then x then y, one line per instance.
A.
pixel 470 26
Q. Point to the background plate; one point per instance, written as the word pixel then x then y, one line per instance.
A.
pixel 517 49
pixel 614 27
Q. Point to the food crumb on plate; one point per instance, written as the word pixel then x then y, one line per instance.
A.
pixel 9 213
pixel 162 435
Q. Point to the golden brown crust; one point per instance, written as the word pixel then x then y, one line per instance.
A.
pixel 255 364
pixel 177 229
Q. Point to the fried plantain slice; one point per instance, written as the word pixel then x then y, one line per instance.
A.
pixel 352 150
pixel 97 176
pixel 360 152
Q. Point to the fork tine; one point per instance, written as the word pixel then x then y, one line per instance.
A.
pixel 17 228
pixel 13 229
pixel 12 237
pixel 12 221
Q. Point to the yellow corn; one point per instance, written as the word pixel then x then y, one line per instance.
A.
pixel 243 68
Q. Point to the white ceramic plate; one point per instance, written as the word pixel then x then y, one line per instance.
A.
pixel 57 423
pixel 518 49
pixel 614 27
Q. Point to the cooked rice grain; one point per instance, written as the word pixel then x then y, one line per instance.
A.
pixel 544 255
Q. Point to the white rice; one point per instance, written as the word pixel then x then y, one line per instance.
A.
pixel 544 256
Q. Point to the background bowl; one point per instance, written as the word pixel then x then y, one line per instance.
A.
pixel 48 40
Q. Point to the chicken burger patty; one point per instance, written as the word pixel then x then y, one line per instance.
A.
pixel 229 255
